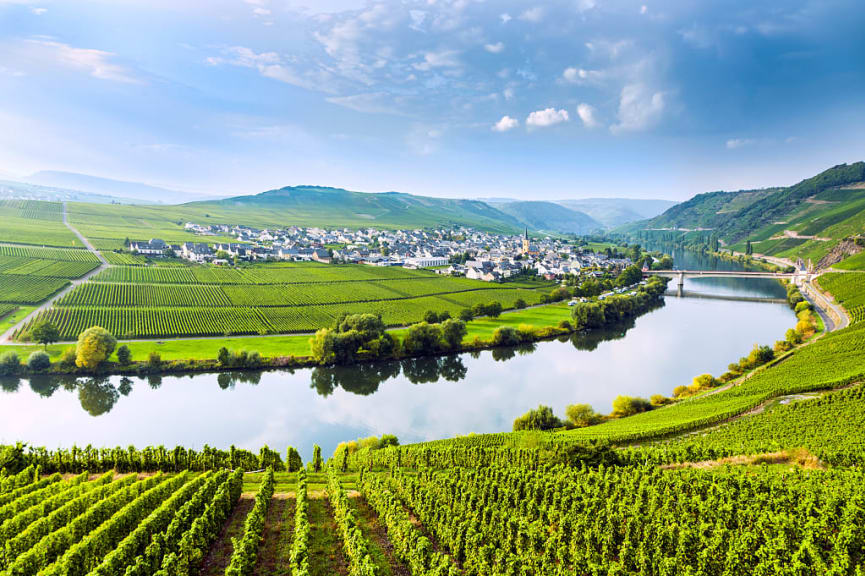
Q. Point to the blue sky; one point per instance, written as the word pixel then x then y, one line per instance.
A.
pixel 535 100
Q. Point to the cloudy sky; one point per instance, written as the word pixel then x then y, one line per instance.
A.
pixel 552 99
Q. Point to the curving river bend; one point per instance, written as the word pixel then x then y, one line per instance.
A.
pixel 416 399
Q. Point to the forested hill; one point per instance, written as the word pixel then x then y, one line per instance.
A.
pixel 336 207
pixel 805 220
pixel 551 217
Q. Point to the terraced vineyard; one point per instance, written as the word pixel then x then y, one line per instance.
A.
pixel 848 290
pixel 30 274
pixel 204 301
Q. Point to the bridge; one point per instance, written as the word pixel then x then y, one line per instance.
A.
pixel 682 274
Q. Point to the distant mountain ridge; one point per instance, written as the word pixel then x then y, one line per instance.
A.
pixel 551 217
pixel 612 212
pixel 806 220
pixel 109 187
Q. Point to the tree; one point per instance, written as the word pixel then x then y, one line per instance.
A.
pixel 505 336
pixel 630 275
pixel 45 333
pixel 519 304
pixel 95 345
pixel 466 315
pixel 431 317
pixel 629 405
pixel 588 315
pixel 423 338
pixel 316 458
pixel 388 440
pixel 540 419
pixel 453 332
pixel 39 361
pixel 124 356
pixel 582 415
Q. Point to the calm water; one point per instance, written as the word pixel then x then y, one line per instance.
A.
pixel 415 399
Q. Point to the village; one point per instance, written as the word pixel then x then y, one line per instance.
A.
pixel 464 252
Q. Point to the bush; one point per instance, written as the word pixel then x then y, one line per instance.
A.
pixel 793 337
pixel 9 363
pixel 124 356
pixel 565 325
pixel 95 345
pixel 39 361
pixel 505 336
pixel 630 405
pixel 223 356
pixel 540 419
pixel 519 304
pixel 803 306
pixel 582 415
pixel 659 400
pixel 67 359
pixel 154 360
pixel 254 359
pixel 431 317
pixel 453 332
pixel 680 391
pixel 423 338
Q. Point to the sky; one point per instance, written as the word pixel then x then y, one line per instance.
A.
pixel 544 99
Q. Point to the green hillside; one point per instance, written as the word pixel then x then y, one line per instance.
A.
pixel 550 217
pixel 334 207
pixel 806 220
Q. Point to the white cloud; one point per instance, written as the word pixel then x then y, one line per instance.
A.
pixel 698 36
pixel 371 103
pixel 508 93
pixel 39 11
pixel 505 124
pixel 588 115
pixel 505 18
pixel 443 59
pixel 644 9
pixel 573 75
pixel 535 14
pixel 494 48
pixel 546 117
pixel 639 108
pixel 271 65
pixel 96 63
pixel 734 143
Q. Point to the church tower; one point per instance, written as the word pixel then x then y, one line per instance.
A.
pixel 526 242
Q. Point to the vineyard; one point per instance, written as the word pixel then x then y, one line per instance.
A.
pixel 35 222
pixel 848 290
pixel 503 517
pixel 202 301
pixel 30 274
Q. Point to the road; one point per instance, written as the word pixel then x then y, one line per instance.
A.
pixel 6 337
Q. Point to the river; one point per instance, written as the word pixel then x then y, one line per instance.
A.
pixel 418 399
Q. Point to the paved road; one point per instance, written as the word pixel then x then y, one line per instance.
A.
pixel 6 338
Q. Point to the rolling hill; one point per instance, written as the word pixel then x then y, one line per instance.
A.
pixel 612 212
pixel 808 220
pixel 108 187
pixel 336 207
pixel 551 217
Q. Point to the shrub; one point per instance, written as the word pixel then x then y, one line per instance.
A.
pixel 793 337
pixel 154 360
pixel 505 336
pixel 254 359
pixel 565 325
pixel 223 356
pixel 124 356
pixel 803 307
pixel 519 304
pixel 680 391
pixel 39 361
pixel 630 405
pixel 9 363
pixel 453 332
pixel 658 400
pixel 423 338
pixel 67 359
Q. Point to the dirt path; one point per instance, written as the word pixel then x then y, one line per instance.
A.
pixel 380 546
pixel 6 337
pixel 326 557
pixel 273 556
pixel 220 553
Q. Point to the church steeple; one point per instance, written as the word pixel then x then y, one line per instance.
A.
pixel 527 232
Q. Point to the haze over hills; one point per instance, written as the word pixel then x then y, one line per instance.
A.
pixel 612 212
pixel 808 220
pixel 551 217
pixel 109 187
